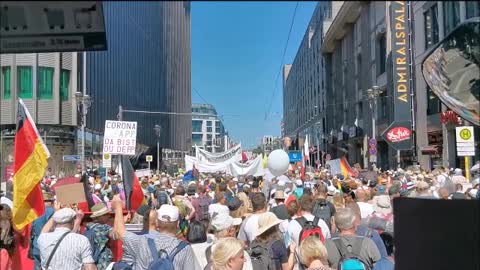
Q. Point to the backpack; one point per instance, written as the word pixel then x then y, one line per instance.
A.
pixel 202 211
pixel 350 255
pixel 322 210
pixel 161 259
pixel 309 228
pixel 261 256
pixel 96 250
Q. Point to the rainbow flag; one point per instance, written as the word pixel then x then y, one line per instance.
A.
pixel 340 166
pixel 30 163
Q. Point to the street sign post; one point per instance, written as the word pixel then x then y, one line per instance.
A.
pixel 71 158
pixel 465 145
pixel 149 159
pixel 106 161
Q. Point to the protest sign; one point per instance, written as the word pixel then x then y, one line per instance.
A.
pixel 71 193
pixel 120 137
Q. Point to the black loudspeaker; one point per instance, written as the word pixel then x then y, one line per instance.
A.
pixel 436 234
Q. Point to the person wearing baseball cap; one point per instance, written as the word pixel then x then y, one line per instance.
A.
pixel 137 247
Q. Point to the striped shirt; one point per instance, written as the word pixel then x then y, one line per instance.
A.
pixel 73 252
pixel 135 247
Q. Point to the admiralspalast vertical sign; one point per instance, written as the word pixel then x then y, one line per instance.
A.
pixel 399 133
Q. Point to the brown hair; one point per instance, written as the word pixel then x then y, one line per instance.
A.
pixel 219 196
pixel 306 203
pixel 258 201
pixel 292 208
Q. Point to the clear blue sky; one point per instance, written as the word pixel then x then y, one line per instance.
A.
pixel 236 55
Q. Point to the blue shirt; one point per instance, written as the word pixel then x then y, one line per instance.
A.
pixel 37 226
pixel 362 231
pixel 384 264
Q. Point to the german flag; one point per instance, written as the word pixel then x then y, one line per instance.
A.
pixel 133 191
pixel 31 156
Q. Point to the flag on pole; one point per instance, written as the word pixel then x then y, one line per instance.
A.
pixel 30 163
pixel 133 191
pixel 307 149
pixel 265 161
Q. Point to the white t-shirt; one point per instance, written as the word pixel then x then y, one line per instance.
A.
pixel 366 209
pixel 249 228
pixel 218 208
pixel 294 228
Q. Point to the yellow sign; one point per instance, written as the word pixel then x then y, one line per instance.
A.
pixel 465 134
pixel 107 156
pixel 149 158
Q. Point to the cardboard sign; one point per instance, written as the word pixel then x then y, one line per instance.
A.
pixel 71 193
pixel 120 138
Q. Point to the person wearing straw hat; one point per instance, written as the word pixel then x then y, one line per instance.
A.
pixel 99 233
pixel 280 210
pixel 268 250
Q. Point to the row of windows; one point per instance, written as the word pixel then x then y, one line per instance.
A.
pixel 197 126
pixel 25 82
pixel 451 18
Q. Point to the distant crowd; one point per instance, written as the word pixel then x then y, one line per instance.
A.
pixel 216 221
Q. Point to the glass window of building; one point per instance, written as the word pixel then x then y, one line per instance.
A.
pixel 451 15
pixel 45 83
pixel 473 9
pixel 6 82
pixel 382 54
pixel 217 129
pixel 434 105
pixel 24 82
pixel 209 137
pixel 197 139
pixel 64 82
pixel 209 123
pixel 197 125
pixel 431 26
pixel 209 129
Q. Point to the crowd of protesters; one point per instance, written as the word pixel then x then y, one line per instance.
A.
pixel 217 221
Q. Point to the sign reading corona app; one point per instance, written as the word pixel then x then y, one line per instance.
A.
pixel 120 138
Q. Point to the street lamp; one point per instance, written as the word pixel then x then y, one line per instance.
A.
pixel 372 95
pixel 158 130
pixel 84 102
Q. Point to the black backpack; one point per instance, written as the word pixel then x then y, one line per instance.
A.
pixel 322 210
pixel 262 256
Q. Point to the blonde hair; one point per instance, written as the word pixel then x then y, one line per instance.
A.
pixel 223 250
pixel 312 249
pixel 338 201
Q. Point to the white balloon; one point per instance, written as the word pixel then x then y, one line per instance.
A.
pixel 278 162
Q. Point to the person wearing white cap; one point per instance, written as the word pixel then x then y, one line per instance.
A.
pixel 138 246
pixel 225 226
pixel 63 249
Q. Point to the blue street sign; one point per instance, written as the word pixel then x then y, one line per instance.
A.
pixel 295 156
pixel 71 158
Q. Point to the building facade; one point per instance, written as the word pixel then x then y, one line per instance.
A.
pixel 355 61
pixel 146 68
pixel 304 81
pixel 433 21
pixel 47 83
pixel 208 131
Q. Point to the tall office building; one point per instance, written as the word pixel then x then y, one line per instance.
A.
pixel 146 67
pixel 304 81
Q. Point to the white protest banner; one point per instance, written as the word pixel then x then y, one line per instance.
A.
pixel 120 137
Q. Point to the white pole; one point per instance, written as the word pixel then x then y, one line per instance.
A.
pixel 84 90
